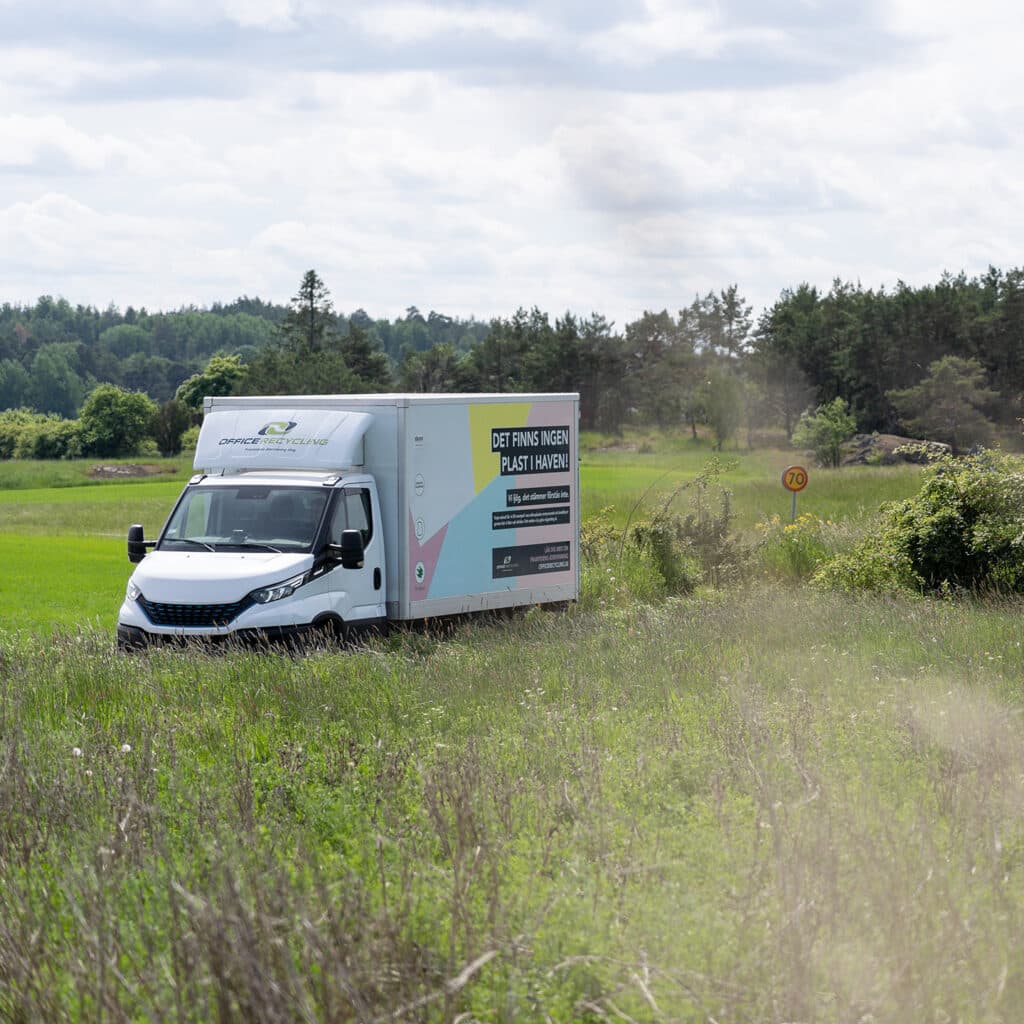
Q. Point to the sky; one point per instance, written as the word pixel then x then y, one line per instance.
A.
pixel 609 156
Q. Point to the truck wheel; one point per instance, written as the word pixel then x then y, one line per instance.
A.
pixel 332 630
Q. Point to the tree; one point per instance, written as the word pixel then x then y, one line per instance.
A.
pixel 947 405
pixel 824 430
pixel 785 334
pixel 126 340
pixel 56 384
pixel 15 384
pixel 310 322
pixel 661 366
pixel 602 370
pixel 365 360
pixel 496 362
pixel 155 375
pixel 722 322
pixel 114 421
pixel 221 376
pixel 308 357
pixel 435 370
pixel 170 421
pixel 286 370
pixel 723 405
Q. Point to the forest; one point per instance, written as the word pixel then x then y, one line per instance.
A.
pixel 943 361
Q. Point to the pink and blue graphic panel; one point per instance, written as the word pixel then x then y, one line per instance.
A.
pixel 515 530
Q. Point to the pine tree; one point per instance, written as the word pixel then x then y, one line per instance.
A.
pixel 310 321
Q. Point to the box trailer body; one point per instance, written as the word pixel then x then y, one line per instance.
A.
pixel 464 503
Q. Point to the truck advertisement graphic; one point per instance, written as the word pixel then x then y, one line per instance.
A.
pixel 520 514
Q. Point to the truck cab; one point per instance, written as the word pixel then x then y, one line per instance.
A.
pixel 260 554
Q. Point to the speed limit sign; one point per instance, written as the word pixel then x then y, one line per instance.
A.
pixel 794 478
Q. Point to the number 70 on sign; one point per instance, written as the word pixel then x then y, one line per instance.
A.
pixel 794 479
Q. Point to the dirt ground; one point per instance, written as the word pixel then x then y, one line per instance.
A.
pixel 114 472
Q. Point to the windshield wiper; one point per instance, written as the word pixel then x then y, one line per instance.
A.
pixel 258 545
pixel 189 540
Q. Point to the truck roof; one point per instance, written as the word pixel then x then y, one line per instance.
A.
pixel 391 398
pixel 277 478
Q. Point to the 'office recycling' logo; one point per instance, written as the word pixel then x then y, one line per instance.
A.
pixel 277 428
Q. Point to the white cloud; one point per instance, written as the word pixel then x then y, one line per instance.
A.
pixel 218 193
pixel 418 22
pixel 49 142
pixel 673 28
pixel 271 14
pixel 199 170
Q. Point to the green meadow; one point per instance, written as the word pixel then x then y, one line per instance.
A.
pixel 761 802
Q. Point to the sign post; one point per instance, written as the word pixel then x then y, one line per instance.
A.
pixel 794 479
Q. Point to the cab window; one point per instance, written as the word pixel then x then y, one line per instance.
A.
pixel 352 511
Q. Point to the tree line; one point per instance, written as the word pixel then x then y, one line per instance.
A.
pixel 52 354
pixel 944 360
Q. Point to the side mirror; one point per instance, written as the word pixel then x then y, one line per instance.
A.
pixel 351 549
pixel 136 543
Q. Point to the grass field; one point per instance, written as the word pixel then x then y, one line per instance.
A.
pixel 763 803
pixel 63 543
pixel 754 478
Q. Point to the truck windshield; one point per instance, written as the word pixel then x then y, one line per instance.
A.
pixel 246 516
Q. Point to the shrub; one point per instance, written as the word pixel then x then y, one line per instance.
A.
pixel 115 421
pixel 662 552
pixel 190 439
pixel 31 435
pixel 963 530
pixel 794 550
pixel 12 423
pixel 169 422
pixel 49 437
pixel 610 573
pixel 662 538
pixel 824 430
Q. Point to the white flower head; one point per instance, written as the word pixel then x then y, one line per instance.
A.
pixel 126 748
pixel 76 751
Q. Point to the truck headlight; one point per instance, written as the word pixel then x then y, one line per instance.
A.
pixel 278 590
pixel 132 592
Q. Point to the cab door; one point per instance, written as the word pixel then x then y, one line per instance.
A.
pixel 358 594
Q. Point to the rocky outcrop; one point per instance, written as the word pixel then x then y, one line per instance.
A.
pixel 888 449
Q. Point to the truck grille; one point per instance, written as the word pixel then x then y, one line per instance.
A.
pixel 193 614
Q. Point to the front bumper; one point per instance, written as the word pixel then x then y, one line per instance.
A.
pixel 133 638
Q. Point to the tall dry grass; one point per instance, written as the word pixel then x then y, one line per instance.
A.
pixel 745 807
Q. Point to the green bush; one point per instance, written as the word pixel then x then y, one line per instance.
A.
pixel 115 421
pixel 663 539
pixel 794 550
pixel 612 571
pixel 660 552
pixel 700 545
pixel 50 437
pixel 190 439
pixel 31 435
pixel 964 530
pixel 824 430
pixel 707 535
pixel 12 423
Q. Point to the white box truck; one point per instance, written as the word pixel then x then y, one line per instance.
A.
pixel 326 513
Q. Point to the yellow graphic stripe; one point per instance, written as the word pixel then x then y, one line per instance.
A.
pixel 482 419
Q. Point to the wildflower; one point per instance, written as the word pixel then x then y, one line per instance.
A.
pixel 126 748
pixel 76 751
